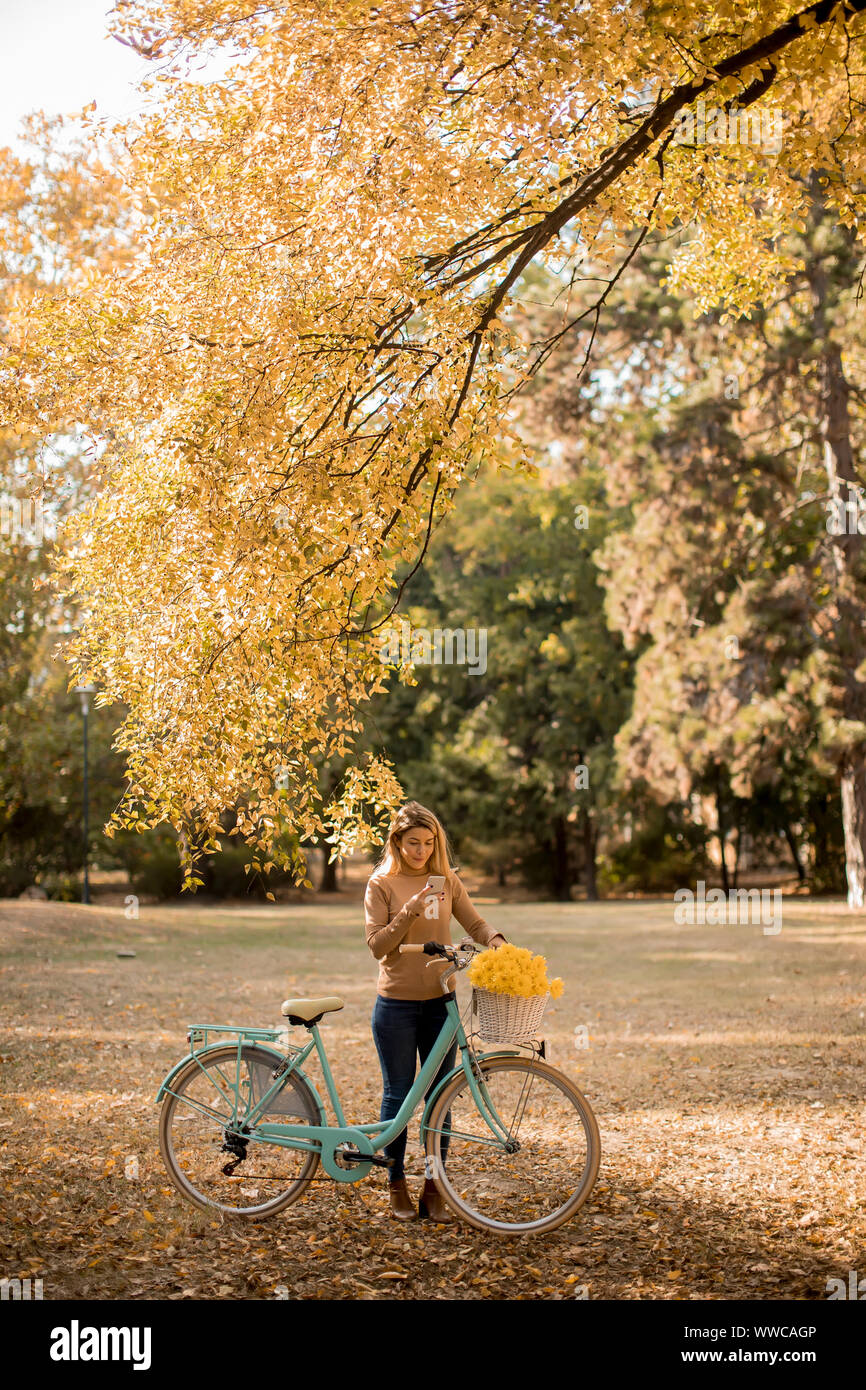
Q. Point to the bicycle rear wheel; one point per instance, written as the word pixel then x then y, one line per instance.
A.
pixel 544 1169
pixel 193 1127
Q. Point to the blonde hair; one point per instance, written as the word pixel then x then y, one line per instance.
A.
pixel 410 817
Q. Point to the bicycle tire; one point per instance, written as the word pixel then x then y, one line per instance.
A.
pixel 480 1181
pixel 199 1142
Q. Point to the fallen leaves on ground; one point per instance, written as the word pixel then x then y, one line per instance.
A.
pixel 725 1069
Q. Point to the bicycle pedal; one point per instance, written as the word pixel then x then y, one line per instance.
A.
pixel 354 1156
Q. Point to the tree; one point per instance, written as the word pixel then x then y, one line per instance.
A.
pixel 310 336
pixel 515 743
pixel 742 595
pixel 55 213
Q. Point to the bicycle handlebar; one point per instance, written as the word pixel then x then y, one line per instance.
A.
pixel 436 948
pixel 450 953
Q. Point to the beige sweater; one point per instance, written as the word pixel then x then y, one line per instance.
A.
pixel 389 924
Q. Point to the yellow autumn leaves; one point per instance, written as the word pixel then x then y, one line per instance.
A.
pixel 513 970
pixel 297 341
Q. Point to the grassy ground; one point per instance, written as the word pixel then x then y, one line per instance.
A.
pixel 725 1067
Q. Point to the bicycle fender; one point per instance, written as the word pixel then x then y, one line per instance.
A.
pixel 260 1047
pixel 481 1057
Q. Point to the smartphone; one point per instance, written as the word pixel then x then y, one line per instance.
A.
pixel 436 882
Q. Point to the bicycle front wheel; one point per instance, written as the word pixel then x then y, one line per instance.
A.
pixel 535 1177
pixel 196 1122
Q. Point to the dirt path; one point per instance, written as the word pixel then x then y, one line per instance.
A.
pixel 725 1065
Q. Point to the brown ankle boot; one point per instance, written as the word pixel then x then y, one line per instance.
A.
pixel 401 1202
pixel 430 1203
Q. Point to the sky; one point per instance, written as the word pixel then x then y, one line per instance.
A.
pixel 54 55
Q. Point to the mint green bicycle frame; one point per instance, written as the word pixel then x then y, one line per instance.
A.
pixel 323 1138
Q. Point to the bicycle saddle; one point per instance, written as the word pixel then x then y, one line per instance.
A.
pixel 309 1011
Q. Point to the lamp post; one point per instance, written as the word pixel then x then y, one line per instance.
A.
pixel 85 691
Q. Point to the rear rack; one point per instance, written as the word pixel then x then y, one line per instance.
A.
pixel 197 1033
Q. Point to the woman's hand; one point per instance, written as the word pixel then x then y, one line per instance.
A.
pixel 497 941
pixel 416 904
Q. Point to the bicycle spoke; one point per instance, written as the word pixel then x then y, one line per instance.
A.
pixel 199 1108
pixel 214 1071
pixel 512 1129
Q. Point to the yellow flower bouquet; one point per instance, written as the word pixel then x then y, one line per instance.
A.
pixel 513 970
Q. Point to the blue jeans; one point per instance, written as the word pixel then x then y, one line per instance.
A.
pixel 402 1027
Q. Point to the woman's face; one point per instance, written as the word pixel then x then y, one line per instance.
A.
pixel 416 846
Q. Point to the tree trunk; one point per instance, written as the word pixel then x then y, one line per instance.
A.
pixel 722 833
pixel 841 484
pixel 501 872
pixel 560 877
pixel 854 821
pixel 590 840
pixel 818 811
pixel 329 873
pixel 847 542
pixel 795 851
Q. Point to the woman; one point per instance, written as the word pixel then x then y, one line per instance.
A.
pixel 410 1006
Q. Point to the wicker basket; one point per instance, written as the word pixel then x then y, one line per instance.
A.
pixel 508 1018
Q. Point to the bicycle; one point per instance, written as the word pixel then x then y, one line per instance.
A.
pixel 511 1143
